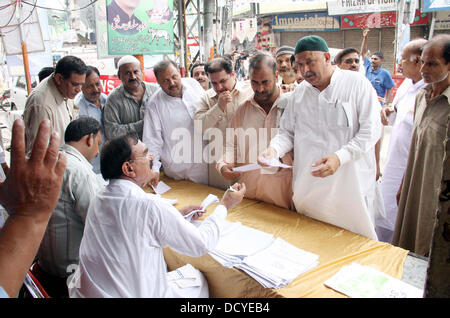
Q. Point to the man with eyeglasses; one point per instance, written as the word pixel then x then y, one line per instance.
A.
pixel 121 253
pixel 124 109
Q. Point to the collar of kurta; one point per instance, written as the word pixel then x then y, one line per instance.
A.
pixel 429 88
pixel 59 98
pixel 334 77
pixel 74 152
pixel 280 102
pixel 125 183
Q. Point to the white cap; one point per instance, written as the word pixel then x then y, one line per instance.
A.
pixel 126 60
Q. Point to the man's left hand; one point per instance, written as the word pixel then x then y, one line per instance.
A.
pixel 329 164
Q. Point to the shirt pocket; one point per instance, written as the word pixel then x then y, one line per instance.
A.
pixel 338 115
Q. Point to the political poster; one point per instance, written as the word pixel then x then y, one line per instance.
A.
pixel 140 27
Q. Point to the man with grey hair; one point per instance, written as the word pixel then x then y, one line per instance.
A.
pixel 257 117
pixel 401 114
pixel 217 108
pixel 419 192
pixel 286 79
pixel 332 122
pixel 124 109
pixel 169 125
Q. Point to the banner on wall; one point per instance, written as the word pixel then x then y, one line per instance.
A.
pixel 379 20
pixel 315 21
pixel 342 7
pixel 145 28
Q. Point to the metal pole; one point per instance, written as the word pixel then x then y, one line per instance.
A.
pixel 208 15
pixel 433 21
pixel 26 64
pixel 182 36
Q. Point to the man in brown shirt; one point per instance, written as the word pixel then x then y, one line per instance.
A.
pixel 254 124
pixel 419 192
pixel 53 99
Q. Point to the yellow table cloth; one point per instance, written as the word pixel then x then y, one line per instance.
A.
pixel 335 246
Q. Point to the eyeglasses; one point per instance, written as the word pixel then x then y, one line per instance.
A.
pixel 145 156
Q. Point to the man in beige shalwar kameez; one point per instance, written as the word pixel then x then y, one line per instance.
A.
pixel 421 183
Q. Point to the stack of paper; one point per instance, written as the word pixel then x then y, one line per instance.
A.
pixel 238 241
pixel 279 264
pixel 274 263
pixel 360 281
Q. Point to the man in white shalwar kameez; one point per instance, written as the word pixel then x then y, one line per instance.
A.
pixel 332 121
pixel 169 125
pixel 401 112
pixel 121 253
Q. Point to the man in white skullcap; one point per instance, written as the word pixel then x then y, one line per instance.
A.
pixel 125 105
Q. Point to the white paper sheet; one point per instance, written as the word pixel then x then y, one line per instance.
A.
pixel 210 199
pixel 360 281
pixel 275 163
pixel 249 167
pixel 161 188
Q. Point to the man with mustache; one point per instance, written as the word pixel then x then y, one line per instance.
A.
pixel 90 103
pixel 348 59
pixel 199 74
pixel 169 125
pixel 259 116
pixel 286 79
pixel 419 192
pixel 218 107
pixel 332 122
pixel 53 98
pixel 380 78
pixel 125 105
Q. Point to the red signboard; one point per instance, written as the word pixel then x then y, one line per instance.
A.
pixel 378 20
pixel 398 80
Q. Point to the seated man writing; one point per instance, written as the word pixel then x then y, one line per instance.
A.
pixel 121 254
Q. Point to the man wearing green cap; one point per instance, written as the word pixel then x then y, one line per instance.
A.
pixel 332 121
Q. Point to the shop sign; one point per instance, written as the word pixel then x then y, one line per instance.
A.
pixel 442 21
pixel 314 21
pixel 341 7
pixel 379 20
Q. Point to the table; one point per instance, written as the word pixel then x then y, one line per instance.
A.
pixel 335 246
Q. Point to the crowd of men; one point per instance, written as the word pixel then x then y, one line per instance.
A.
pixel 321 120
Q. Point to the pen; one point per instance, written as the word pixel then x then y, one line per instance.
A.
pixel 232 189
